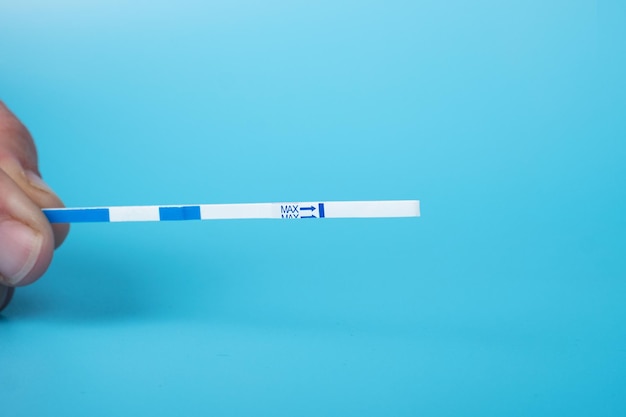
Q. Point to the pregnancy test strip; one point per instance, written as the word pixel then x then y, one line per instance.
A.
pixel 294 210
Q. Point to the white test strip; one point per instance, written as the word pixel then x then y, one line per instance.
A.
pixel 291 210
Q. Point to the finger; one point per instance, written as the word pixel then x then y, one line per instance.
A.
pixel 35 189
pixel 26 237
pixel 15 139
pixel 18 159
pixel 6 293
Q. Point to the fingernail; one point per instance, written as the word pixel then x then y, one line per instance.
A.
pixel 36 181
pixel 19 249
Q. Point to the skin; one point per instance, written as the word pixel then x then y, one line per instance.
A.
pixel 27 239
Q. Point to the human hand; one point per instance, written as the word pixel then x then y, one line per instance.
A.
pixel 27 239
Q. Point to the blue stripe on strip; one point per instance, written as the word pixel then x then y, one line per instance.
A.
pixel 180 213
pixel 77 215
pixel 321 207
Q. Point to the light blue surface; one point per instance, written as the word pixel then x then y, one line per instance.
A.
pixel 505 118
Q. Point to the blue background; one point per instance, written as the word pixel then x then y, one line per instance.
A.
pixel 505 118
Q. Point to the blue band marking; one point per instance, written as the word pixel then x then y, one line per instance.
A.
pixel 321 207
pixel 78 215
pixel 180 213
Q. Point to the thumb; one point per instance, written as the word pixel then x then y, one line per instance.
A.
pixel 26 237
